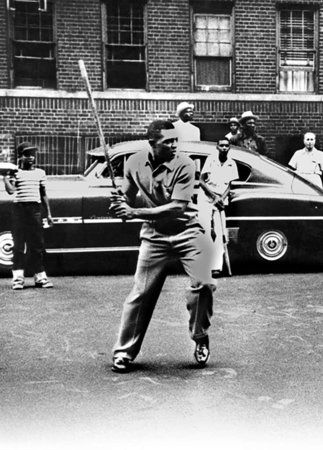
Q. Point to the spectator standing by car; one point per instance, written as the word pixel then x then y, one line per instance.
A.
pixel 234 125
pixel 165 180
pixel 248 137
pixel 217 174
pixel 28 186
pixel 185 130
pixel 308 161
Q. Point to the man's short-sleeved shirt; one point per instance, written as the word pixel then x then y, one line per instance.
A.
pixel 170 181
pixel 219 176
pixel 186 131
pixel 308 164
pixel 28 183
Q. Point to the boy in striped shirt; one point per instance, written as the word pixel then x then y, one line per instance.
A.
pixel 28 187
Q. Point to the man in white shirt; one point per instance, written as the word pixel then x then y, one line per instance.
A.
pixel 217 173
pixel 184 129
pixel 308 162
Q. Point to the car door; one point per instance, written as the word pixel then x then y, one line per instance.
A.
pixel 65 197
pixel 102 231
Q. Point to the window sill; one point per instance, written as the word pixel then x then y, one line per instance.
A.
pixel 213 88
pixel 296 93
pixel 109 89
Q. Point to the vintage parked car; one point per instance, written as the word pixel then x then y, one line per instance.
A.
pixel 274 215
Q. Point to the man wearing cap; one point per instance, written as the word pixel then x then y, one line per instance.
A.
pixel 184 129
pixel 234 126
pixel 248 137
pixel 308 162
pixel 28 186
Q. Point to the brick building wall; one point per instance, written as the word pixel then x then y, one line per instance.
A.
pixel 255 49
pixel 4 81
pixel 169 46
pixel 79 36
pixel 65 111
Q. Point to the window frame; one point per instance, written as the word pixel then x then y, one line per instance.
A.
pixel 105 44
pixel 220 9
pixel 11 14
pixel 298 7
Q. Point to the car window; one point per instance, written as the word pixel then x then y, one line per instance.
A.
pixel 199 161
pixel 244 171
pixel 118 164
pixel 91 167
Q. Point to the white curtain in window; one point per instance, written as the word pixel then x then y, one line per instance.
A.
pixel 296 81
pixel 297 51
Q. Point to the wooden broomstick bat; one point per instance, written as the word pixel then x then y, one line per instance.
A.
pixel 97 120
pixel 225 243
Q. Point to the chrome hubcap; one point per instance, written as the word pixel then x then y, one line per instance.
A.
pixel 6 247
pixel 272 245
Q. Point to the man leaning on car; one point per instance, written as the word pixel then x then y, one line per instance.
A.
pixel 308 161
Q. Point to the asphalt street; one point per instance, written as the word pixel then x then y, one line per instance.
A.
pixel 261 389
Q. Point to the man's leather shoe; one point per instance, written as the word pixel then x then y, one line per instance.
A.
pixel 202 352
pixel 120 364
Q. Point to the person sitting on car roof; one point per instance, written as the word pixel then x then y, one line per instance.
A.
pixel 308 161
pixel 28 186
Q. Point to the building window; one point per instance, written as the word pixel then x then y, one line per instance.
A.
pixel 212 47
pixel 33 46
pixel 124 44
pixel 297 50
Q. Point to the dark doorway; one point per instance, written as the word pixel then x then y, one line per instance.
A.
pixel 212 131
pixel 286 146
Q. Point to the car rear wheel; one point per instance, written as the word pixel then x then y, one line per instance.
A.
pixel 6 250
pixel 272 245
pixel 269 246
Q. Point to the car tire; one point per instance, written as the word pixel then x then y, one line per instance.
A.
pixel 6 250
pixel 270 245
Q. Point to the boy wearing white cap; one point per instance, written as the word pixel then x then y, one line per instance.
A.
pixel 183 127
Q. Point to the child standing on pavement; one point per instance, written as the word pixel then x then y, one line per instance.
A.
pixel 28 186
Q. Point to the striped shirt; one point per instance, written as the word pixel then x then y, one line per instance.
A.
pixel 28 183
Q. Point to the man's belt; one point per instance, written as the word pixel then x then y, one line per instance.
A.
pixel 172 227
